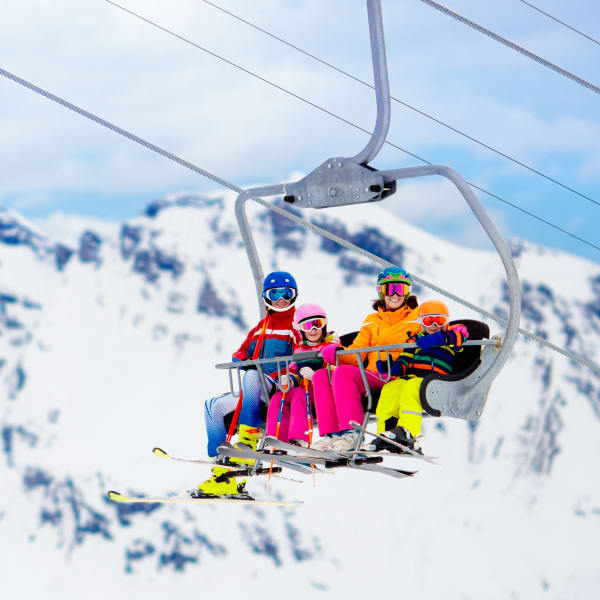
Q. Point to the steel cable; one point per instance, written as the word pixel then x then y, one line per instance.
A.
pixel 356 126
pixel 513 46
pixel 402 102
pixel 561 22
pixel 288 215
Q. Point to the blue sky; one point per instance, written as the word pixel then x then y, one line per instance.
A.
pixel 221 119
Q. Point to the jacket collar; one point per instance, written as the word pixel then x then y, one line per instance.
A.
pixel 395 315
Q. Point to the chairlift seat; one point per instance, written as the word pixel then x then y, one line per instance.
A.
pixel 465 363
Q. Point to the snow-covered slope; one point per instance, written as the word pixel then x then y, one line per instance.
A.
pixel 108 337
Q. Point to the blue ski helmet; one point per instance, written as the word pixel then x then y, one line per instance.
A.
pixel 279 279
pixel 283 285
pixel 393 275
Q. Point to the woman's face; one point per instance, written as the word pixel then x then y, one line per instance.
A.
pixel 393 302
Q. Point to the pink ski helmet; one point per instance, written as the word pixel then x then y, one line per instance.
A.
pixel 307 312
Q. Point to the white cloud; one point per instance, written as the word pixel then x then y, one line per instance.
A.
pixel 243 130
pixel 427 202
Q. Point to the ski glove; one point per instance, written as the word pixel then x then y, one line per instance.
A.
pixel 285 383
pixel 430 340
pixel 328 353
pixel 462 330
pixel 307 373
pixel 397 367
pixel 454 338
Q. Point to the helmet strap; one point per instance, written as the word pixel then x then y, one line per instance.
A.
pixel 275 308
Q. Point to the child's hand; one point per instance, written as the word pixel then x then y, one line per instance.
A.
pixel 328 353
pixel 430 340
pixel 397 367
pixel 285 383
pixel 307 373
pixel 461 329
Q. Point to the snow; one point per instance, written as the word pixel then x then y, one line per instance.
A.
pixel 112 355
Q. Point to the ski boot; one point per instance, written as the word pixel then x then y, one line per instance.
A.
pixel 399 435
pixel 247 440
pixel 217 485
pixel 299 443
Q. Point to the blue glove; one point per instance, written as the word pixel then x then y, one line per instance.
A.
pixel 430 340
pixel 382 366
pixel 397 367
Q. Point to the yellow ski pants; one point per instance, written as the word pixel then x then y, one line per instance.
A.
pixel 400 398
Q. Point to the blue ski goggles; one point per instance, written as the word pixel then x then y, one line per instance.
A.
pixel 277 293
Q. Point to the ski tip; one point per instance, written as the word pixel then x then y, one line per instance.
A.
pixel 116 496
pixel 160 452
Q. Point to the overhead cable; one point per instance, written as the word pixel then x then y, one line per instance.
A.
pixel 513 46
pixel 402 102
pixel 352 124
pixel 561 22
pixel 288 215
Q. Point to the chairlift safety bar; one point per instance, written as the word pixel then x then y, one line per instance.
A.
pixel 315 354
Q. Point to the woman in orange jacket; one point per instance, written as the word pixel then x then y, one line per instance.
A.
pixel 339 402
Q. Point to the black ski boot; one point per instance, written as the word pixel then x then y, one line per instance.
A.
pixel 404 437
pixel 399 435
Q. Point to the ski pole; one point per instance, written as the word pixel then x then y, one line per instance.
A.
pixel 310 425
pixel 308 413
pixel 279 416
pixel 238 408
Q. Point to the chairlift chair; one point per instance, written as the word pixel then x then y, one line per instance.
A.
pixel 342 181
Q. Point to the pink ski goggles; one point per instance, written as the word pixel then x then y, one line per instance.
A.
pixel 309 324
pixel 389 289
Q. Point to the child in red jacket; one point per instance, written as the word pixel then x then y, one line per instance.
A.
pixel 273 336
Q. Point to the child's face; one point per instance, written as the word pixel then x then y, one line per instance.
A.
pixel 314 335
pixel 434 327
pixel 282 303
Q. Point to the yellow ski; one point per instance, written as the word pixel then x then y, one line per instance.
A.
pixel 118 497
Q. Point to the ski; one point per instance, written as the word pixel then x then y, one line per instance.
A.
pixel 236 470
pixel 405 449
pixel 397 473
pixel 367 461
pixel 118 497
pixel 199 461
pixel 293 449
pixel 302 466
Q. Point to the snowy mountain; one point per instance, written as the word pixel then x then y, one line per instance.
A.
pixel 108 337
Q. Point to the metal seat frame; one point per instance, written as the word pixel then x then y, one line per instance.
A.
pixel 342 181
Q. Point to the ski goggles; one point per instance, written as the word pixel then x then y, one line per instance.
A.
pixel 314 323
pixel 429 320
pixel 389 289
pixel 277 293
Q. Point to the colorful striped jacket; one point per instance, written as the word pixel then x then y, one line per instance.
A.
pixel 440 353
pixel 436 353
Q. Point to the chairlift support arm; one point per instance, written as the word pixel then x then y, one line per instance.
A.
pixel 344 181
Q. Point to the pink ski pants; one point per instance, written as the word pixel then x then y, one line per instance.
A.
pixel 294 420
pixel 339 402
